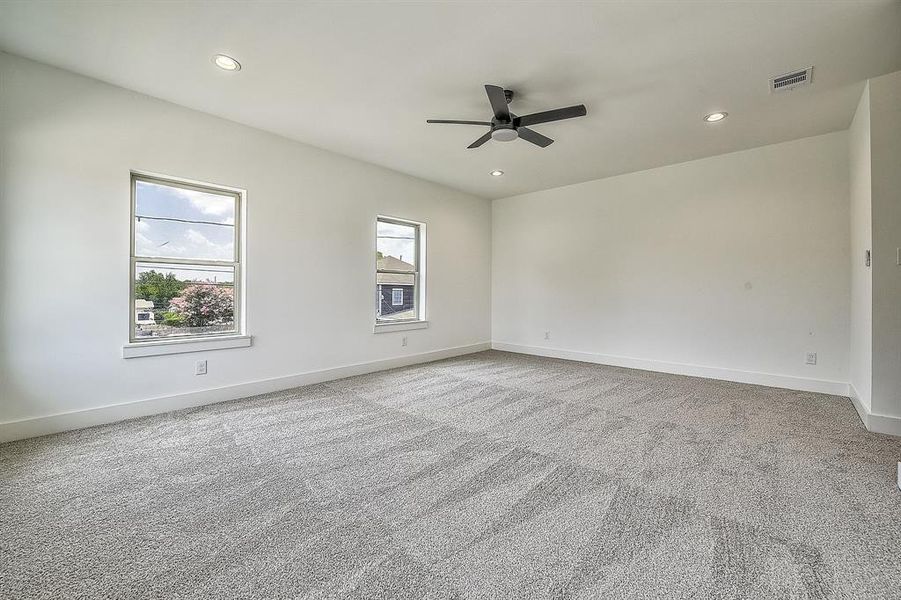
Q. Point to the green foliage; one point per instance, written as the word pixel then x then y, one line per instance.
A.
pixel 173 319
pixel 158 288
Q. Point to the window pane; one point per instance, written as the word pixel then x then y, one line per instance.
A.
pixel 395 296
pixel 178 300
pixel 174 222
pixel 396 247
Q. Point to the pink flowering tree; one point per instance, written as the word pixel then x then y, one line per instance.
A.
pixel 202 305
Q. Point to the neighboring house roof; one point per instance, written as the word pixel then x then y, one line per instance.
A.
pixel 143 304
pixel 394 264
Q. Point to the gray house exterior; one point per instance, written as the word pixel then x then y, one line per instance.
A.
pixel 395 291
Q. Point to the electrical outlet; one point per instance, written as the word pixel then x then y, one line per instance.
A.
pixel 547 335
pixel 403 341
pixel 811 358
pixel 200 367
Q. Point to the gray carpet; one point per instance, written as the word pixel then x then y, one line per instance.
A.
pixel 487 476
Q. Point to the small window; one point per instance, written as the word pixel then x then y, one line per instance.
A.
pixel 398 270
pixel 185 260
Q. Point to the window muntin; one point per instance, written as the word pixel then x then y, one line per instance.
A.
pixel 398 274
pixel 185 260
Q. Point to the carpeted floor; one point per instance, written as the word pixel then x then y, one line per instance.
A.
pixel 487 476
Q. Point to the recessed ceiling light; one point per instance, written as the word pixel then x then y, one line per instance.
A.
pixel 226 63
pixel 496 173
pixel 717 116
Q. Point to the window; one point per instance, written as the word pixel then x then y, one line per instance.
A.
pixel 399 258
pixel 185 260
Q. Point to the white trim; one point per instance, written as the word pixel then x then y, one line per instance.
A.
pixel 158 348
pixel 884 424
pixel 388 327
pixel 791 382
pixel 26 428
pixel 862 411
pixel 876 423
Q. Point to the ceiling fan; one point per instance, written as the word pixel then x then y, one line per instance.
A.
pixel 506 127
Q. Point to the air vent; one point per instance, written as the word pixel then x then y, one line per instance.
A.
pixel 790 81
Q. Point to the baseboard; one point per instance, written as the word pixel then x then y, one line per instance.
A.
pixel 823 386
pixel 874 422
pixel 37 426
pixel 862 411
pixel 884 424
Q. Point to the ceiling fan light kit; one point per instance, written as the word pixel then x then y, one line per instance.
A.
pixel 506 126
pixel 504 134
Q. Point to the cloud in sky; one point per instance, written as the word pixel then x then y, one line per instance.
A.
pixel 211 204
pixel 220 208
pixel 396 240
pixel 176 223
pixel 174 240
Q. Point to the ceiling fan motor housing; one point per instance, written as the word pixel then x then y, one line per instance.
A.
pixel 504 131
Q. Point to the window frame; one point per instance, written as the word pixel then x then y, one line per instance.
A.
pixel 418 272
pixel 239 196
pixel 394 291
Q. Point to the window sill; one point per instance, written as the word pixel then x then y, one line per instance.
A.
pixel 402 326
pixel 139 349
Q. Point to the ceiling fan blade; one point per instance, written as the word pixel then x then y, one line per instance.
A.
pixel 480 141
pixel 547 116
pixel 498 102
pixel 534 137
pixel 486 123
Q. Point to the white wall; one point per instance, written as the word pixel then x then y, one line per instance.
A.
pixel 861 351
pixel 736 265
pixel 885 139
pixel 67 144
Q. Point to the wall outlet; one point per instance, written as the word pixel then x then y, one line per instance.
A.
pixel 811 358
pixel 403 341
pixel 547 335
pixel 200 367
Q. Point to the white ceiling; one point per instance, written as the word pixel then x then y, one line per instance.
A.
pixel 361 78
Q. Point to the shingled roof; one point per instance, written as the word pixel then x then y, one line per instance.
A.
pixel 394 264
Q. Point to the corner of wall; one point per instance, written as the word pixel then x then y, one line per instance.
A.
pixel 860 224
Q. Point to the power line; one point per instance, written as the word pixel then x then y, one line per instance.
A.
pixel 139 217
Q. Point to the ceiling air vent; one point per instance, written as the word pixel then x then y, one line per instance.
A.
pixel 790 81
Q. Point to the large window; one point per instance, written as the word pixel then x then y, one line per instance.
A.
pixel 185 260
pixel 399 260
